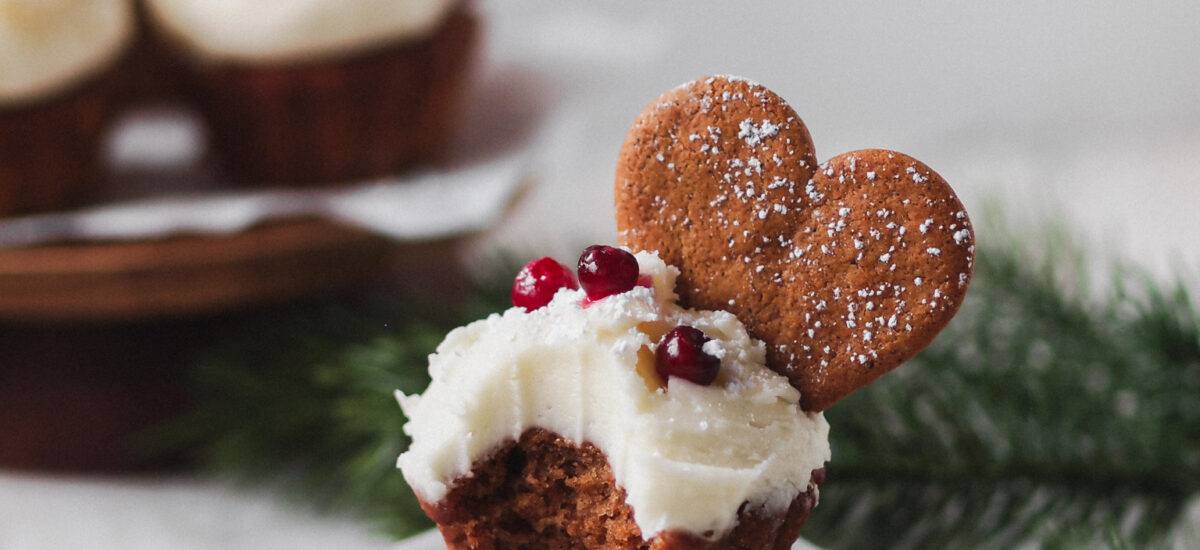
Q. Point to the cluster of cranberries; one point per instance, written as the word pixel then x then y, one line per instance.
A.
pixel 604 271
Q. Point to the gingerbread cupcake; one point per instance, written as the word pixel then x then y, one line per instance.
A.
pixel 320 92
pixel 668 394
pixel 59 87
pixel 587 422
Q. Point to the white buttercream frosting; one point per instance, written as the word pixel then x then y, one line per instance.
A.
pixel 47 45
pixel 687 455
pixel 295 30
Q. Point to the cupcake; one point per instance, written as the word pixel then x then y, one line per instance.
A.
pixel 671 396
pixel 59 83
pixel 320 92
pixel 588 422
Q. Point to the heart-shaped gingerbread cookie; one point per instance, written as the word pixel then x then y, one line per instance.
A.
pixel 845 269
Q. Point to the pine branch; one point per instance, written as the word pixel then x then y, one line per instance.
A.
pixel 305 398
pixel 1047 414
pixel 1041 415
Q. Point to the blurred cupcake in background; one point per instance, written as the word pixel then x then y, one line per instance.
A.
pixel 317 92
pixel 60 74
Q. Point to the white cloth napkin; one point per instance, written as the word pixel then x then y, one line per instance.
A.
pixel 422 206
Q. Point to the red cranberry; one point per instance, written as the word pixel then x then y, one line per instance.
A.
pixel 538 281
pixel 607 270
pixel 681 353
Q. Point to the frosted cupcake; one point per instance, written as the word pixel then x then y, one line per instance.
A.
pixel 59 74
pixel 313 92
pixel 610 417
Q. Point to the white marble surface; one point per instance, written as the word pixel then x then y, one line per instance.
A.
pixel 186 513
pixel 1088 114
pixel 177 513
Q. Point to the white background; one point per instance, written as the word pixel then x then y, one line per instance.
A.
pixel 1085 112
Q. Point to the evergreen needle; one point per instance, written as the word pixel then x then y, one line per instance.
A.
pixel 1043 416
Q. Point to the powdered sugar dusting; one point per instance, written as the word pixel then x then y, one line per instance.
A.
pixel 755 133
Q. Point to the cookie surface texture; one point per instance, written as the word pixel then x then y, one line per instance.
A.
pixel 845 269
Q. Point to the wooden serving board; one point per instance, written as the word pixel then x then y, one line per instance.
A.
pixel 186 274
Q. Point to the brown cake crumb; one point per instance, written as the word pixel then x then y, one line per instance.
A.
pixel 545 492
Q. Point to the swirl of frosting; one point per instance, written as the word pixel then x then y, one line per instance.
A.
pixel 295 30
pixel 48 45
pixel 687 455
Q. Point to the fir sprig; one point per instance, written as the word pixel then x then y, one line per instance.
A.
pixel 1048 414
pixel 305 397
pixel 1043 415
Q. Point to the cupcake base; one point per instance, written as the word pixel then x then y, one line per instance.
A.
pixel 341 120
pixel 51 154
pixel 543 491
pixel 74 397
